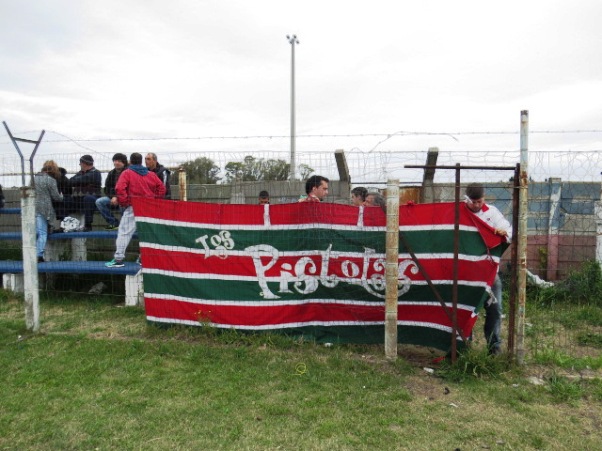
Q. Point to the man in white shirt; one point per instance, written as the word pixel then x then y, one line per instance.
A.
pixel 475 202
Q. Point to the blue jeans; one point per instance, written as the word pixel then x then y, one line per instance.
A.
pixel 42 234
pixel 493 318
pixel 103 204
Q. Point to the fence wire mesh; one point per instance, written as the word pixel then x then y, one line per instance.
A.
pixel 564 226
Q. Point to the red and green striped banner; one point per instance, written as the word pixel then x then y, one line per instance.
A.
pixel 311 269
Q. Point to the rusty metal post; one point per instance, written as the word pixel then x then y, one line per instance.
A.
pixel 454 342
pixel 522 236
pixel 391 269
pixel 182 183
pixel 513 266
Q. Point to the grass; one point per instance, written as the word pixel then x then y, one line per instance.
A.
pixel 97 377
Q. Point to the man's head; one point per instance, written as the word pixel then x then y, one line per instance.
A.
pixel 120 161
pixel 317 186
pixel 358 195
pixel 151 160
pixel 264 198
pixel 86 162
pixel 136 158
pixel 370 199
pixel 475 197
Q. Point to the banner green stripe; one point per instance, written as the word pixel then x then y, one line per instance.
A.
pixel 428 241
pixel 233 290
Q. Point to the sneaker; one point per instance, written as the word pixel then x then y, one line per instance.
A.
pixel 115 264
pixel 41 260
pixel 112 227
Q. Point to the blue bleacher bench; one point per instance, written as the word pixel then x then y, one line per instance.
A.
pixel 100 234
pixel 10 211
pixel 70 267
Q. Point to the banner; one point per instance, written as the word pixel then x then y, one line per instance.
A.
pixel 312 269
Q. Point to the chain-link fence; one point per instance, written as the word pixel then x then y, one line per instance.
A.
pixel 563 225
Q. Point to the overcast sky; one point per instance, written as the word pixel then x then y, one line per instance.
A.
pixel 116 69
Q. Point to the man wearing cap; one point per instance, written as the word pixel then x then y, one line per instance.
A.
pixel 475 202
pixel 86 186
pixel 109 201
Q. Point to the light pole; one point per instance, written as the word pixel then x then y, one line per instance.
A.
pixel 292 41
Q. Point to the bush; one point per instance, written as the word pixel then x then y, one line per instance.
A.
pixel 582 286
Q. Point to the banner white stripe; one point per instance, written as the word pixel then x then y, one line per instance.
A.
pixel 420 256
pixel 329 226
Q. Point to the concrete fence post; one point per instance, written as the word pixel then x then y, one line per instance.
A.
pixel 30 260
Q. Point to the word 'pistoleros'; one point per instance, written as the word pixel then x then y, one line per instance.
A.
pixel 305 278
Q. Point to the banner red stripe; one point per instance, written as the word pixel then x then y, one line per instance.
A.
pixel 235 265
pixel 307 213
pixel 245 315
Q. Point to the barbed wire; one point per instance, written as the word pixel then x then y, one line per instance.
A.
pixel 302 136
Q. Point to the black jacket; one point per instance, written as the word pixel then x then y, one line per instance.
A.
pixel 111 181
pixel 86 182
pixel 164 175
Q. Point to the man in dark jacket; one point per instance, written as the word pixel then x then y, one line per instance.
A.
pixel 109 201
pixel 86 186
pixel 162 172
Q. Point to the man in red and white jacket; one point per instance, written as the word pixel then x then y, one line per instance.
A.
pixel 135 181
pixel 475 202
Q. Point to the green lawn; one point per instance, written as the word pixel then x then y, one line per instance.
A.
pixel 97 377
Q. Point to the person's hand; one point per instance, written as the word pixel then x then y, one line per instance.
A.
pixel 501 232
pixel 114 201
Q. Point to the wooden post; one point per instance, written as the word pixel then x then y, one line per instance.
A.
pixel 428 177
pixel 183 184
pixel 522 237
pixel 392 269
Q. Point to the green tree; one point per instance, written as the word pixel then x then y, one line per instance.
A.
pixel 257 169
pixel 201 171
pixel 305 171
pixel 275 170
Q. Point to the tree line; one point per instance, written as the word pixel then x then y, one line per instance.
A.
pixel 203 170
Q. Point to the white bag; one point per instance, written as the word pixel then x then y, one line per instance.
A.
pixel 70 224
